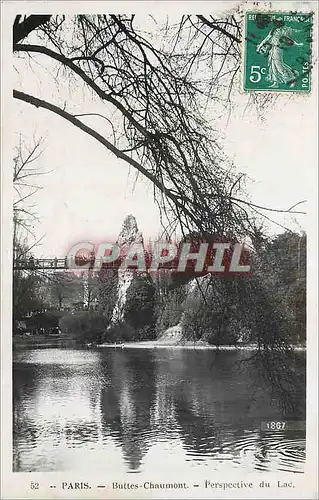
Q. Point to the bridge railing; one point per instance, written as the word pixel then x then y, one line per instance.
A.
pixel 32 263
pixel 76 264
pixel 59 264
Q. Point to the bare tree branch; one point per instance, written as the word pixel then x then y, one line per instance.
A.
pixel 22 29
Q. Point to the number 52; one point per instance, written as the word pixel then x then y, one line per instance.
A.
pixel 255 73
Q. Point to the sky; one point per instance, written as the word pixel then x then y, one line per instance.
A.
pixel 87 192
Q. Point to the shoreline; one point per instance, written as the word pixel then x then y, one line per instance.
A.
pixel 153 344
pixel 62 343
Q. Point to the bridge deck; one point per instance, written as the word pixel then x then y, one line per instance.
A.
pixel 40 264
pixel 55 264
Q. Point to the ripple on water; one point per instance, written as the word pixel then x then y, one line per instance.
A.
pixel 79 408
pixel 276 451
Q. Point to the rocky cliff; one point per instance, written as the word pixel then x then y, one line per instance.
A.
pixel 129 234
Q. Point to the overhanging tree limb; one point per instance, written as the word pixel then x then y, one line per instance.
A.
pixel 39 103
pixel 29 24
pixel 173 147
pixel 77 70
pixel 115 102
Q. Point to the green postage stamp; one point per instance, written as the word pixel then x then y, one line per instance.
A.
pixel 277 51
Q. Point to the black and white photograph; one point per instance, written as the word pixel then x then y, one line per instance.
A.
pixel 158 260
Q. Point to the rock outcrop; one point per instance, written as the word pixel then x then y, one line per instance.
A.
pixel 129 234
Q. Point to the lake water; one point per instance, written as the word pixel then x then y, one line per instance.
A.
pixel 129 409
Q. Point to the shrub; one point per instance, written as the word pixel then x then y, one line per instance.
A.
pixel 139 305
pixel 84 326
pixel 170 309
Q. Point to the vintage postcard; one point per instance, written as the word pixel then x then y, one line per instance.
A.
pixel 159 249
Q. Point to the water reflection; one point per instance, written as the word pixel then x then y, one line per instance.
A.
pixel 122 409
pixel 126 404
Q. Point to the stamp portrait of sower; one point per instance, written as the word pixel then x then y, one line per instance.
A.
pixel 277 52
pixel 278 40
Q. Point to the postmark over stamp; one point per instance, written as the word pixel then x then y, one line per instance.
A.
pixel 277 52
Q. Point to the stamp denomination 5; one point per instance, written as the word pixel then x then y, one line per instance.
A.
pixel 277 52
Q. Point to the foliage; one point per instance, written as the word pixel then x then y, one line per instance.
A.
pixel 46 320
pixel 139 306
pixel 169 309
pixel 91 289
pixel 282 266
pixel 119 333
pixel 211 311
pixel 85 326
pixel 25 294
pixel 64 289
pixel 267 308
pixel 107 292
